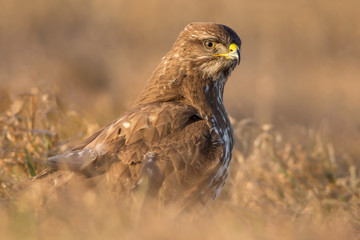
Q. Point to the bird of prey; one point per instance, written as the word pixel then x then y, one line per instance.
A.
pixel 177 136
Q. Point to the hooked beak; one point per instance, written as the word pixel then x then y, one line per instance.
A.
pixel 234 53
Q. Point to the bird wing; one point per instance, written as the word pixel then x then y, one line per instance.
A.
pixel 168 144
pixel 176 155
pixel 155 127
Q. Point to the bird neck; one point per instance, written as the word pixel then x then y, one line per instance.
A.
pixel 206 95
pixel 172 81
pixel 164 84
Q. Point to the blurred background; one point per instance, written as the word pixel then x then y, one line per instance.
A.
pixel 69 67
pixel 300 60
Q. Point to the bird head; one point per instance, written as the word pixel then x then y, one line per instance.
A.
pixel 204 54
pixel 209 48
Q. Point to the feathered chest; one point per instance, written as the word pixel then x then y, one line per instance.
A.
pixel 221 130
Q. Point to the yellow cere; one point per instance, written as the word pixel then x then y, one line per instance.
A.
pixel 233 47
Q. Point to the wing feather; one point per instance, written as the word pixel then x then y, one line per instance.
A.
pixel 129 137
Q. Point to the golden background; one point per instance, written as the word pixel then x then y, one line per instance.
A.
pixel 300 60
pixel 294 175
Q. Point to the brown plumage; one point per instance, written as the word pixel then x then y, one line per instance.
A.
pixel 177 135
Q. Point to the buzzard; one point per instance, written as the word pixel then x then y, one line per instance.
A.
pixel 177 137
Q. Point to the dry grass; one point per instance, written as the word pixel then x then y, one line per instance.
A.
pixel 295 169
pixel 287 183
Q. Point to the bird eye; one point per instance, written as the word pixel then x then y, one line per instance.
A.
pixel 209 44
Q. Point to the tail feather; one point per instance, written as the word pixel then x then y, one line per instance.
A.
pixel 76 160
